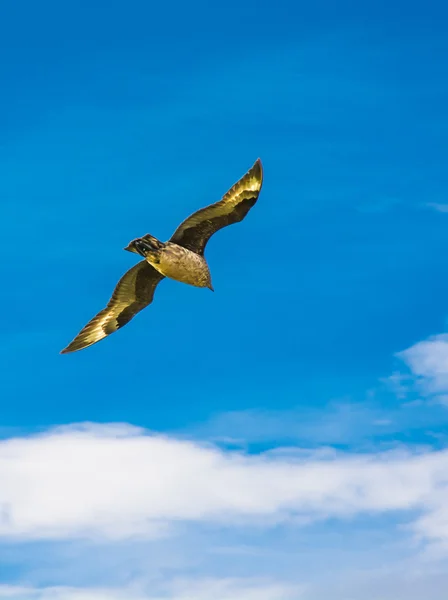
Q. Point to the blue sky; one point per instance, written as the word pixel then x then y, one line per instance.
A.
pixel 258 424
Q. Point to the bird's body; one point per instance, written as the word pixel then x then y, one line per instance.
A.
pixel 173 261
pixel 180 258
pixel 181 264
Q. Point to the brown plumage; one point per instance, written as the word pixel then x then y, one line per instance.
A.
pixel 181 259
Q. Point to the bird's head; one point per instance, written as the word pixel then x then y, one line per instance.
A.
pixel 139 246
pixel 144 245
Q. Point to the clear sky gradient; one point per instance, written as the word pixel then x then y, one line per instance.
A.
pixel 313 357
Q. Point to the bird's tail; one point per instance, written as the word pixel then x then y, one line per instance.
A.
pixel 144 245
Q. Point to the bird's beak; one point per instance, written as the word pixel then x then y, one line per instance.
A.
pixel 131 248
pixel 210 287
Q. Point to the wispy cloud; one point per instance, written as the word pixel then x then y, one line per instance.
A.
pixel 439 207
pixel 336 423
pixel 398 383
pixel 346 424
pixel 218 589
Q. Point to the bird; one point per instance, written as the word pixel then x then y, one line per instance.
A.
pixel 180 258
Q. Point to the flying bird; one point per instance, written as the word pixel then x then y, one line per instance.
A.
pixel 180 258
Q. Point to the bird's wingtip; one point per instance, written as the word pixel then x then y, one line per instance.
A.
pixel 258 164
pixel 258 169
pixel 72 347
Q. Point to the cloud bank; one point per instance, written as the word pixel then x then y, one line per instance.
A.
pixel 116 481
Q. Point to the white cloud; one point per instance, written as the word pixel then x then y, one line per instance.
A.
pixel 405 581
pixel 408 580
pixel 428 361
pixel 209 589
pixel 118 481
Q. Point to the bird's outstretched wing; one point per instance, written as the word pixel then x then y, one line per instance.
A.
pixel 197 229
pixel 133 292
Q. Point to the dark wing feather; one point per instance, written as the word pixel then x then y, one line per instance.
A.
pixel 197 229
pixel 133 292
